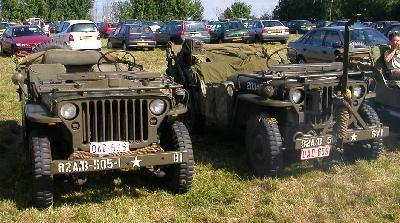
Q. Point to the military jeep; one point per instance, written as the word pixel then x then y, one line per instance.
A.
pixel 285 109
pixel 86 111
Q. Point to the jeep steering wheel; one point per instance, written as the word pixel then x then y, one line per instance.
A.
pixel 126 58
pixel 281 59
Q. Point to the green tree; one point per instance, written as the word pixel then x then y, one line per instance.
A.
pixel 237 10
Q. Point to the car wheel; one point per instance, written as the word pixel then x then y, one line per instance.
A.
pixel 301 60
pixel 109 44
pixel 367 150
pixel 124 47
pixel 264 145
pixel 178 177
pixel 283 41
pixel 42 179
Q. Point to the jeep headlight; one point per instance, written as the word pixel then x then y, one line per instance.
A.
pixel 68 111
pixel 296 96
pixel 157 106
pixel 357 91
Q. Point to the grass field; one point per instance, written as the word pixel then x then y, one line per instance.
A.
pixel 224 189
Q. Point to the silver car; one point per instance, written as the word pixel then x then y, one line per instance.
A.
pixel 269 30
pixel 326 44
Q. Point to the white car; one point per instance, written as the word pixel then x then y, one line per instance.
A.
pixel 79 35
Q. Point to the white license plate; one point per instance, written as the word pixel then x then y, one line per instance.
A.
pixel 311 153
pixel 104 148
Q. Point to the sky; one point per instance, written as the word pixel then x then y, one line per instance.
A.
pixel 258 7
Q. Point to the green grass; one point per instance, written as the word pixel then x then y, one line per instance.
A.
pixel 223 191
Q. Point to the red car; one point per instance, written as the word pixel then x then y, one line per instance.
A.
pixel 20 39
pixel 106 29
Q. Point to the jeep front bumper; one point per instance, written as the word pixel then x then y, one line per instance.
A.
pixel 119 162
pixel 352 136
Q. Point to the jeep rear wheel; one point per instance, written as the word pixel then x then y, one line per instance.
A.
pixel 263 145
pixel 371 149
pixel 179 177
pixel 42 179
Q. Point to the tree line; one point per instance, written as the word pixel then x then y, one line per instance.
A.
pixel 372 10
pixel 52 10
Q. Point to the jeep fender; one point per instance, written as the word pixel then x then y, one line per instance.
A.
pixel 39 114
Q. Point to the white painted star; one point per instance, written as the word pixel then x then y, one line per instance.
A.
pixel 136 162
pixel 353 137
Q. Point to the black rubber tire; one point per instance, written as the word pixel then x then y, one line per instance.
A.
pixel 179 177
pixel 264 146
pixel 50 45
pixel 367 150
pixel 42 179
pixel 109 44
pixel 301 60
pixel 125 47
pixel 283 41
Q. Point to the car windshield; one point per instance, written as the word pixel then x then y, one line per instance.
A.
pixel 27 31
pixel 195 26
pixel 84 27
pixel 234 26
pixel 139 29
pixel 368 36
pixel 271 23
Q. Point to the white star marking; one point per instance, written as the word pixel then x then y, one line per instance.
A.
pixel 353 137
pixel 136 162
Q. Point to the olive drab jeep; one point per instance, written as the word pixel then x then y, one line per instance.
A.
pixel 86 111
pixel 286 110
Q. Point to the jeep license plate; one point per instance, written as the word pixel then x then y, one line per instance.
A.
pixel 311 153
pixel 104 148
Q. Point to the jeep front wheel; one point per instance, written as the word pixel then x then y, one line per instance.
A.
pixel 42 179
pixel 179 177
pixel 371 149
pixel 263 145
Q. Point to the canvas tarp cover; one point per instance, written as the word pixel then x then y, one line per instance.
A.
pixel 227 60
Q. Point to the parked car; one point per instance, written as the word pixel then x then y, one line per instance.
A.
pixel 131 21
pixel 25 38
pixel 106 29
pixel 39 22
pixel 79 35
pixel 381 25
pixel 3 27
pixel 269 30
pixel 232 31
pixel 393 27
pixel 179 30
pixel 320 24
pixel 154 25
pixel 132 36
pixel 300 26
pixel 326 44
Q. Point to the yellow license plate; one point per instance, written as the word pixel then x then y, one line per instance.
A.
pixel 142 44
pixel 236 39
pixel 276 31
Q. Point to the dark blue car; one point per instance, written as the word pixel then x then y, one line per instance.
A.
pixel 132 36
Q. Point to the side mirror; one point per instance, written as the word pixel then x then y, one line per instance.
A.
pixel 337 45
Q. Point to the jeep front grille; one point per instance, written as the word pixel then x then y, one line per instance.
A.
pixel 319 105
pixel 115 120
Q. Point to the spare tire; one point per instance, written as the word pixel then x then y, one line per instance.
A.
pixel 52 44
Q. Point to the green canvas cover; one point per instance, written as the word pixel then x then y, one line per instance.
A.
pixel 224 61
